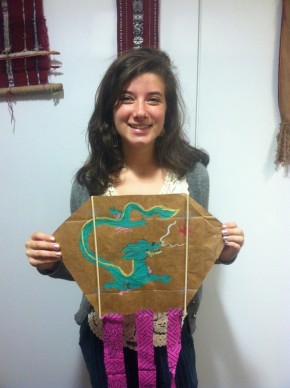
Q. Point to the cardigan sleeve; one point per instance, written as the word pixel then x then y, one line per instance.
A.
pixel 198 184
pixel 79 195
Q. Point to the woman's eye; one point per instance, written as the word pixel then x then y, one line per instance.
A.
pixel 125 98
pixel 154 100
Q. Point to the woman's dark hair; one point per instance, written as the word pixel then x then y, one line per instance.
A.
pixel 173 151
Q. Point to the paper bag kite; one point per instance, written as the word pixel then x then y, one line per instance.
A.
pixel 140 255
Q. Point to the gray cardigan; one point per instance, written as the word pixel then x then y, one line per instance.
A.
pixel 198 183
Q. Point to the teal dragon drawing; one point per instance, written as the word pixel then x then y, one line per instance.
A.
pixel 136 252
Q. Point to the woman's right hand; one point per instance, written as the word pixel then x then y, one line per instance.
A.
pixel 42 251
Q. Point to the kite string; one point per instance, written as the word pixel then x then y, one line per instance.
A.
pixel 96 257
pixel 186 258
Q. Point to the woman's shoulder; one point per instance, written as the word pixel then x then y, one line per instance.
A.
pixel 79 195
pixel 198 184
pixel 199 171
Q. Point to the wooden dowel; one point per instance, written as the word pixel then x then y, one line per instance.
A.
pixel 33 89
pixel 26 54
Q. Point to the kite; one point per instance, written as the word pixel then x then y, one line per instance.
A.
pixel 140 255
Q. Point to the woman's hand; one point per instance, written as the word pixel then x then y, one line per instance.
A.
pixel 42 251
pixel 233 237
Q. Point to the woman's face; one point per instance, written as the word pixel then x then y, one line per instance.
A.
pixel 139 114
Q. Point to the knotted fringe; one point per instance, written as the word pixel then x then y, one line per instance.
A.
pixel 10 101
pixel 113 350
pixel 283 145
pixel 145 348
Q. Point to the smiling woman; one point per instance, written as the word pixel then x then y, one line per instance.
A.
pixel 138 89
pixel 138 104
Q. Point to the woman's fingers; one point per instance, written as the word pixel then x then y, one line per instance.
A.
pixel 232 234
pixel 42 251
pixel 233 237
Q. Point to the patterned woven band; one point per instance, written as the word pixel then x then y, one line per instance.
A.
pixel 113 350
pixel 146 365
pixel 137 24
pixel 173 341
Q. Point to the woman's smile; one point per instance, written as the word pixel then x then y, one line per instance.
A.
pixel 140 129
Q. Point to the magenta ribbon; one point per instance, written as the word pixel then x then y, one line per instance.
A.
pixel 113 350
pixel 173 342
pixel 113 347
pixel 145 348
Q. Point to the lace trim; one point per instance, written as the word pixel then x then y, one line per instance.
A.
pixel 171 185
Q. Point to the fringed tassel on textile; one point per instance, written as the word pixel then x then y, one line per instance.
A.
pixel 283 145
pixel 10 101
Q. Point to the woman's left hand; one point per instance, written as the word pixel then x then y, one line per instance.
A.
pixel 233 237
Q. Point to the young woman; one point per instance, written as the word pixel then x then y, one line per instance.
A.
pixel 137 146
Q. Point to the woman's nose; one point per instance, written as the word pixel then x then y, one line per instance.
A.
pixel 140 109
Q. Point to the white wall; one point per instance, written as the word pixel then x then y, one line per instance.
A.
pixel 243 335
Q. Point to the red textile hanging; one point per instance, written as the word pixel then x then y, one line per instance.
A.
pixel 137 24
pixel 24 46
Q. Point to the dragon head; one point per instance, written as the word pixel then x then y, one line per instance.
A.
pixel 140 250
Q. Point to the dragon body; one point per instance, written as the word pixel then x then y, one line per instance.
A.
pixel 136 252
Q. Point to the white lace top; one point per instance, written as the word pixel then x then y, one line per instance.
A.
pixel 171 185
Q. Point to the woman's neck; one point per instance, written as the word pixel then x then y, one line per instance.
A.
pixel 141 161
pixel 140 175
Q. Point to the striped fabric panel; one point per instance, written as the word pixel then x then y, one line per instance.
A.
pixel 137 24
pixel 23 31
pixel 145 348
pixel 173 340
pixel 113 350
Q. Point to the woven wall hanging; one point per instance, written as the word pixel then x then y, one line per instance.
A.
pixel 137 24
pixel 25 61
pixel 283 138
